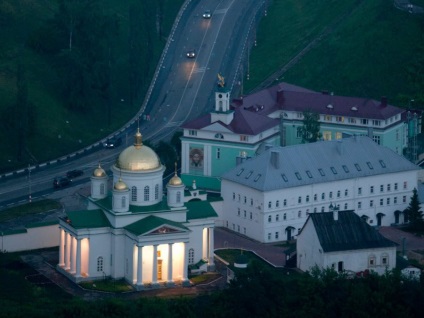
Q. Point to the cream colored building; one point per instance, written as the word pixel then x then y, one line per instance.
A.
pixel 135 232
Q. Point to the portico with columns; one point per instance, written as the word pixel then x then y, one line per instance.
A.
pixel 144 237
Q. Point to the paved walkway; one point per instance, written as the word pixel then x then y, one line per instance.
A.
pixel 270 253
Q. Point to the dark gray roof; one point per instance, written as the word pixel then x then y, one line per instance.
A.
pixel 349 232
pixel 323 161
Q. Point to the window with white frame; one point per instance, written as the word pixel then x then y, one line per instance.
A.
pixel 346 192
pixel 405 185
pixel 359 191
pixel 395 200
pixel 269 219
pixel 396 186
pixel 371 189
pixel 388 201
pixel 326 135
pixel 192 132
pixel 269 204
pixel 385 259
pixel 100 264
pixel 381 188
pixel 133 193
pixel 284 202
pixel 156 192
pixel 404 199
pixel 376 139
pixel 345 206
pixel 191 256
pixel 359 205
pixel 146 193
pixel 307 198
pixel 299 200
pixel 388 187
pixel 277 204
pixel 285 216
pixel 371 203
pixel 371 261
pixel 277 218
pixel 276 235
pixel 381 202
pixel 244 138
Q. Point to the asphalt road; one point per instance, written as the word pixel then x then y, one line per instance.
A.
pixel 182 89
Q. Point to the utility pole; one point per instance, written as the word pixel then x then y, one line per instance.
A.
pixel 29 183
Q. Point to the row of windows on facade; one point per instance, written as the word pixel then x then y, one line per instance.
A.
pixel 323 209
pixel 124 200
pixel 276 234
pixel 383 188
pixel 353 120
pixel 100 259
pixel 146 192
pixel 192 132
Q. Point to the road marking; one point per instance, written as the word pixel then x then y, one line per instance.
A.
pixel 199 70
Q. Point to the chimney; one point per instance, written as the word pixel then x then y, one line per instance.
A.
pixel 340 147
pixel 275 159
pixel 383 101
pixel 336 213
pixel 280 96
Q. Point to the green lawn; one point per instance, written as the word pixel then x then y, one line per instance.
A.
pixel 29 208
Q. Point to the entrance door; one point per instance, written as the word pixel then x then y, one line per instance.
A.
pixel 289 233
pixel 160 269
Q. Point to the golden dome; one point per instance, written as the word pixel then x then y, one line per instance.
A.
pixel 138 157
pixel 175 181
pixel 99 172
pixel 120 185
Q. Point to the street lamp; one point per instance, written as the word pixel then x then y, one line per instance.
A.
pixel 29 183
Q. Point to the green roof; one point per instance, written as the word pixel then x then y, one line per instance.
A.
pixel 151 223
pixel 88 219
pixel 199 210
pixel 106 204
pixel 202 182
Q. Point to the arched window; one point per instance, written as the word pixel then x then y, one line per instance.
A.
pixel 102 189
pixel 146 193
pixel 133 193
pixel 156 192
pixel 100 264
pixel 178 197
pixel 191 256
pixel 123 202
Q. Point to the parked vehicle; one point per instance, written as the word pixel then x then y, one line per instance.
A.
pixel 74 173
pixel 61 182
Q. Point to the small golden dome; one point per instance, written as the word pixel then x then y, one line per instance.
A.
pixel 99 172
pixel 138 157
pixel 175 181
pixel 120 185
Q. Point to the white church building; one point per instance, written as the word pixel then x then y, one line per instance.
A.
pixel 135 232
pixel 269 197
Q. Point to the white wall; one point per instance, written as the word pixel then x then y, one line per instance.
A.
pixel 33 238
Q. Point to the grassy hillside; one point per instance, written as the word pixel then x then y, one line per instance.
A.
pixel 58 92
pixel 371 49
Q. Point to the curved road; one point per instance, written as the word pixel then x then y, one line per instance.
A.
pixel 182 89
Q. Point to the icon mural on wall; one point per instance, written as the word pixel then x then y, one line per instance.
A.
pixel 196 158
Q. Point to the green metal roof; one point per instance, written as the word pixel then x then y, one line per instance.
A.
pixel 211 183
pixel 151 223
pixel 106 204
pixel 199 210
pixel 87 219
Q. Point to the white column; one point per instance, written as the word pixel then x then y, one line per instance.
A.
pixel 155 265
pixel 67 250
pixel 170 262
pixel 61 248
pixel 184 261
pixel 78 259
pixel 140 265
pixel 72 254
pixel 210 247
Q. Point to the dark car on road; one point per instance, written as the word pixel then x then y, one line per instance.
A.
pixel 191 53
pixel 113 142
pixel 74 173
pixel 61 182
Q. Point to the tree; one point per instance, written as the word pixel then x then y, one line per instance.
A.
pixel 311 127
pixel 415 215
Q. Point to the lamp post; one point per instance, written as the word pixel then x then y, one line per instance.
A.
pixel 29 183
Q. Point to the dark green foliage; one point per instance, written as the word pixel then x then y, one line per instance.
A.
pixel 415 215
pixel 311 127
